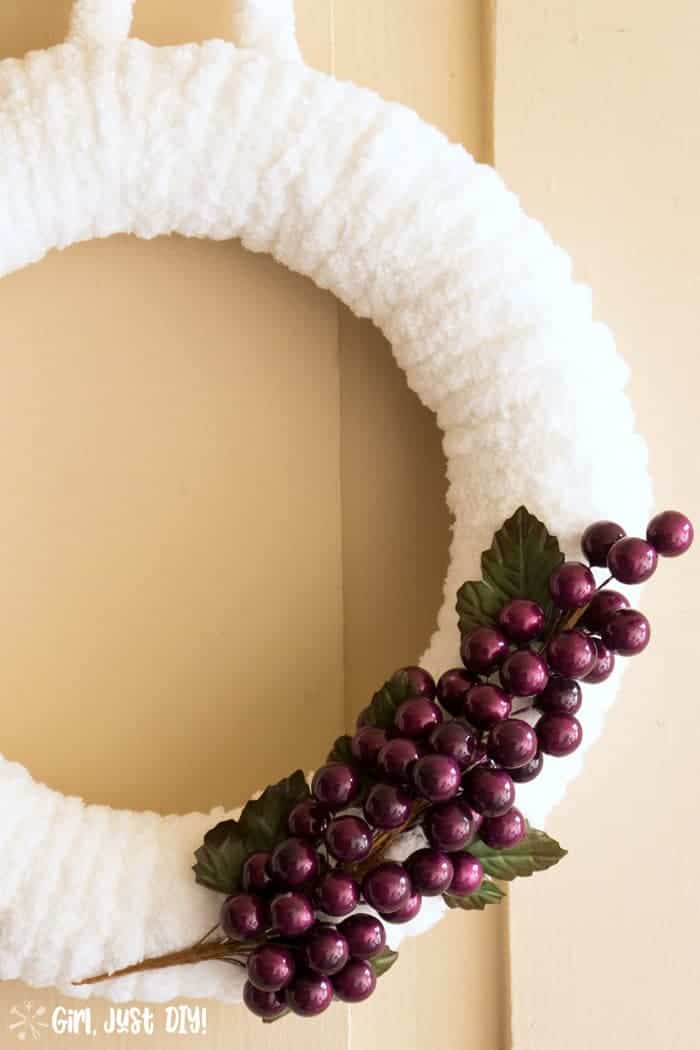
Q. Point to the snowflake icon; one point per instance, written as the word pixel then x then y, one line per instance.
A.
pixel 28 1023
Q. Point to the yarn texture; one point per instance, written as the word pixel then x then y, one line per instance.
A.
pixel 104 135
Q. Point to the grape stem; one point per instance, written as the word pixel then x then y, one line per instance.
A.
pixel 199 952
pixel 386 838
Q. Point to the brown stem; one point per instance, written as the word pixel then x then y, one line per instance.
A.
pixel 385 839
pixel 200 952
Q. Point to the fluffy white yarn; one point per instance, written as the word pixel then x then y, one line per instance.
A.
pixel 362 196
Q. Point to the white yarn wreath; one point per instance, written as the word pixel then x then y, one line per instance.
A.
pixel 105 135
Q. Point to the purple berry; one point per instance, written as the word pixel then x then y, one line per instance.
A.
pixel 632 560
pixel 670 533
pixel 335 784
pixel 452 689
pixel 485 705
pixel 417 718
pixel 605 664
pixel 407 911
pixel 483 649
pixel 597 540
pixel 294 862
pixel 243 917
pixel 571 585
pixel 490 791
pixel 529 771
pixel 521 620
pixel 456 741
pixel 326 950
pixel 504 832
pixel 627 632
pixel 310 995
pixel 387 887
pixel 256 876
pixel 396 758
pixel 512 743
pixel 419 681
pixel 365 935
pixel 355 982
pixel 268 1005
pixel 603 605
pixel 337 893
pixel 524 673
pixel 387 806
pixel 559 735
pixel 562 696
pixel 309 819
pixel 292 914
pixel 449 826
pixel 349 839
pixel 571 654
pixel 271 967
pixel 366 744
pixel 431 871
pixel 437 777
pixel 468 875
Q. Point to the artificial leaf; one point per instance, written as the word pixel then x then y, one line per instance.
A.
pixel 488 893
pixel 521 558
pixel 384 961
pixel 220 858
pixel 385 701
pixel 340 751
pixel 477 606
pixel 536 852
pixel 263 822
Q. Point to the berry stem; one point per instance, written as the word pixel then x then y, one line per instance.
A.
pixel 199 952
pixel 385 839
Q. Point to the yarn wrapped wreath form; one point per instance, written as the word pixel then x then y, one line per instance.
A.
pixel 104 134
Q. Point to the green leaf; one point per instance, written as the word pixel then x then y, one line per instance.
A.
pixel 477 606
pixel 383 962
pixel 385 701
pixel 220 859
pixel 536 852
pixel 488 893
pixel 340 751
pixel 521 558
pixel 263 822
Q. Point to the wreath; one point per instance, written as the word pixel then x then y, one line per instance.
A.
pixel 105 134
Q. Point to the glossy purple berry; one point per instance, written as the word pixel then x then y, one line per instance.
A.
pixel 524 673
pixel 468 875
pixel 571 654
pixel 521 620
pixel 387 887
pixel 632 560
pixel 437 777
pixel 627 632
pixel 271 967
pixel 597 540
pixel 562 696
pixel 529 771
pixel 504 832
pixel 294 862
pixel 335 784
pixel 455 740
pixel 571 585
pixel 349 839
pixel 397 757
pixel 337 893
pixel 605 664
pixel 310 995
pixel 670 533
pixel 490 791
pixel 255 875
pixel 243 917
pixel 449 826
pixel 419 682
pixel 365 935
pixel 355 982
pixel 487 704
pixel 407 911
pixel 292 914
pixel 431 871
pixel 309 819
pixel 483 649
pixel 512 743
pixel 452 689
pixel 326 950
pixel 603 605
pixel 387 806
pixel 268 1005
pixel 559 735
pixel 366 744
pixel 417 718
